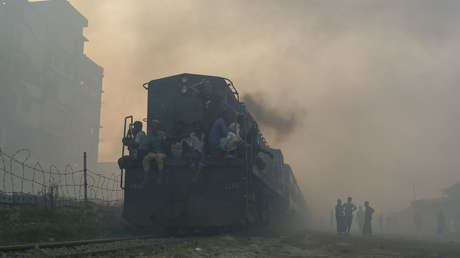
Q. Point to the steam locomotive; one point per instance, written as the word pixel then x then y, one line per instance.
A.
pixel 252 188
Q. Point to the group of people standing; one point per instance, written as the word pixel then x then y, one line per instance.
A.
pixel 344 217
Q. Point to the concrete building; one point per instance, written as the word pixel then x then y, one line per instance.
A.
pixel 50 91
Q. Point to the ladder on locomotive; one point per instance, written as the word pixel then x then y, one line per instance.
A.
pixel 126 130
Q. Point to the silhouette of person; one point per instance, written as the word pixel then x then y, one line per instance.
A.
pixel 368 211
pixel 360 218
pixel 348 208
pixel 339 216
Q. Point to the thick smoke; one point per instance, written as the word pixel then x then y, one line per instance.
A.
pixel 283 123
pixel 379 80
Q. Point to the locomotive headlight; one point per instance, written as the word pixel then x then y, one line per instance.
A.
pixel 183 81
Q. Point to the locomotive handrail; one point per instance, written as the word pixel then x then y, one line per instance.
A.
pixel 123 147
pixel 233 88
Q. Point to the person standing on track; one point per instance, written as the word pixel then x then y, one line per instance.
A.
pixel 339 216
pixel 360 218
pixel 367 227
pixel 348 208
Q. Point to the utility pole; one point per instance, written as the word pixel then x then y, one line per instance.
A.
pixel 85 177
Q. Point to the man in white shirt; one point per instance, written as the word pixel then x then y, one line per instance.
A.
pixel 135 141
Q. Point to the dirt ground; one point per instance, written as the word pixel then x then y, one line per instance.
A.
pixel 304 244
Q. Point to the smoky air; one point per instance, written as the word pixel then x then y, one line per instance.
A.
pixel 361 96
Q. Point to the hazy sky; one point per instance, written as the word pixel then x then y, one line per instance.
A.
pixel 374 84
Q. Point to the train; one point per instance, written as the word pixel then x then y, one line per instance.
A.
pixel 253 188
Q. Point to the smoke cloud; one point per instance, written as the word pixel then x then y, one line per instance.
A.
pixel 379 79
pixel 282 123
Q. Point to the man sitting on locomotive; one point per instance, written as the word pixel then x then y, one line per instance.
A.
pixel 233 143
pixel 222 140
pixel 155 144
pixel 194 152
pixel 135 142
pixel 219 130
pixel 175 140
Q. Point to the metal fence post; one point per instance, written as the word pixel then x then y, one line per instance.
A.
pixel 85 177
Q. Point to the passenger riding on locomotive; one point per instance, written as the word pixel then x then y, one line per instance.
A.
pixel 203 163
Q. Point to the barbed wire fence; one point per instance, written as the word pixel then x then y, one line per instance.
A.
pixel 26 183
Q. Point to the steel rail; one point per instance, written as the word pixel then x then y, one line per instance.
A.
pixel 47 245
pixel 105 251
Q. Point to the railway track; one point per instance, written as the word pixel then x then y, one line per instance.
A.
pixel 81 248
